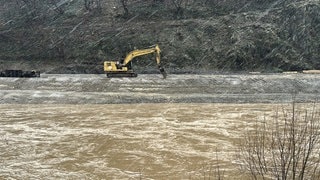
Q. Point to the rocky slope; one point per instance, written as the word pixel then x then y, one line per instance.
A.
pixel 195 36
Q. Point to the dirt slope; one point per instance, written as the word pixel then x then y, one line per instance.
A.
pixel 201 36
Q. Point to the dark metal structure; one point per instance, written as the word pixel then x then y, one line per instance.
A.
pixel 19 73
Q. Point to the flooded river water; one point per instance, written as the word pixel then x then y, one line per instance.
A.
pixel 93 127
pixel 124 141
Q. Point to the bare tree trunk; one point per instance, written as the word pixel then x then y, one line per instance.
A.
pixel 93 6
pixel 124 4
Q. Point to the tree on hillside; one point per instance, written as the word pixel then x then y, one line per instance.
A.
pixel 93 5
pixel 58 6
pixel 178 6
pixel 31 10
pixel 124 4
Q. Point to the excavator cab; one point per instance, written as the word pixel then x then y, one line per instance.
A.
pixel 115 69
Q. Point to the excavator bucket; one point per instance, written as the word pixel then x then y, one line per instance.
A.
pixel 163 72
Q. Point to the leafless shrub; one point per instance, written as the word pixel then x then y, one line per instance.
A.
pixel 57 6
pixel 124 4
pixel 180 6
pixel 285 148
pixel 93 6
pixel 210 170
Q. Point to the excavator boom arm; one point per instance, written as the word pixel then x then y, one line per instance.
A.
pixel 136 53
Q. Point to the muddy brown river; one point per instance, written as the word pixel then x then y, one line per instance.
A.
pixel 91 127
pixel 128 141
pixel 154 141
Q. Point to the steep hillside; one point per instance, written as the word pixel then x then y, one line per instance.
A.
pixel 66 36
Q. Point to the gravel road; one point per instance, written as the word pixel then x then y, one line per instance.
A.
pixel 151 88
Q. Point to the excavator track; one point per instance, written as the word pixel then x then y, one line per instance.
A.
pixel 112 75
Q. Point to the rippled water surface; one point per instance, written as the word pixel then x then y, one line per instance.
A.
pixel 130 141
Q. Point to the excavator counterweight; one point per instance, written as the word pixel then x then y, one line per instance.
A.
pixel 124 68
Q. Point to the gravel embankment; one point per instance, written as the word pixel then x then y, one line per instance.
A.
pixel 98 89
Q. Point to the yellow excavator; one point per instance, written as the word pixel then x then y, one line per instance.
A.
pixel 123 68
